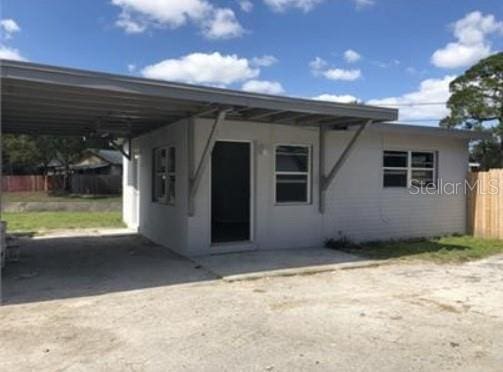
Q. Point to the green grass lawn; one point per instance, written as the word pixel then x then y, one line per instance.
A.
pixel 445 249
pixel 40 222
pixel 46 197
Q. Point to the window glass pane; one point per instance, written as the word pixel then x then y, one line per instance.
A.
pixel 395 178
pixel 292 159
pixel 171 189
pixel 397 159
pixel 160 160
pixel 160 186
pixel 171 160
pixel 422 178
pixel 291 188
pixel 422 160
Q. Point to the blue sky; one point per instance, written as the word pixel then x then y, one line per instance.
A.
pixel 391 52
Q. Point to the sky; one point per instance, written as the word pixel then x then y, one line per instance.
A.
pixel 394 53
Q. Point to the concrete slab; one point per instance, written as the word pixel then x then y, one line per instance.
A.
pixel 65 266
pixel 284 262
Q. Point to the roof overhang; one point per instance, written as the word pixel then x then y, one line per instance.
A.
pixel 417 130
pixel 42 99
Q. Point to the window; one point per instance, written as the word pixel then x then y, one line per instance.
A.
pixel 409 168
pixel 423 169
pixel 292 174
pixel 395 168
pixel 164 178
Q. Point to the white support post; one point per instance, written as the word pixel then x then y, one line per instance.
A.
pixel 322 165
pixel 195 180
pixel 326 181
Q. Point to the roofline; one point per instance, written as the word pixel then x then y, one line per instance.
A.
pixel 96 152
pixel 436 131
pixel 34 72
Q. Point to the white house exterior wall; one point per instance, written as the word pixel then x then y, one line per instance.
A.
pixel 164 224
pixel 357 205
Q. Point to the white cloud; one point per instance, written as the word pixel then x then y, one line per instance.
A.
pixel 264 61
pixel 263 86
pixel 343 98
pixel 319 67
pixel 341 74
pixel 131 67
pixel 317 64
pixel 426 103
pixel 9 27
pixel 472 45
pixel 307 5
pixel 352 56
pixel 387 64
pixel 282 5
pixel 138 15
pixel 129 25
pixel 246 5
pixel 201 68
pixel 223 25
pixel 360 4
pixel 10 53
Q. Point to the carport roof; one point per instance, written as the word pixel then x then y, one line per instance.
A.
pixel 42 99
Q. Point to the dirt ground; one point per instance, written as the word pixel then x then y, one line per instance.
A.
pixel 399 317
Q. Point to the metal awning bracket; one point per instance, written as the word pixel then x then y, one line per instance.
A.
pixel 195 179
pixel 326 181
pixel 120 147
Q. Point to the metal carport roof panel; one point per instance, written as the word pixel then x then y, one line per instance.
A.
pixel 53 100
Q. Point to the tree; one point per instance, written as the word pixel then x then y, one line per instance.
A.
pixel 34 152
pixel 69 150
pixel 476 103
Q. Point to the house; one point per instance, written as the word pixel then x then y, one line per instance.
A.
pixel 270 186
pixel 99 161
pixel 211 170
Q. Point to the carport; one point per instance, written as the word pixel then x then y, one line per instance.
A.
pixel 47 100
pixel 42 99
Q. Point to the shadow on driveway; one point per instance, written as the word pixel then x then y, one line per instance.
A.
pixel 56 268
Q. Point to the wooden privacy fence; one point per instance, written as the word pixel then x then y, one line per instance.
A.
pixel 485 204
pixel 79 184
pixel 95 184
pixel 31 183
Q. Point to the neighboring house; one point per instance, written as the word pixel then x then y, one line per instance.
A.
pixel 214 170
pixel 102 162
pixel 92 161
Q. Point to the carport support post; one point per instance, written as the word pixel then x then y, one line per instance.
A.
pixel 3 248
pixel 195 180
pixel 322 165
pixel 326 181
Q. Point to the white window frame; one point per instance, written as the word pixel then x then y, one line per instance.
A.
pixel 308 173
pixel 166 174
pixel 409 169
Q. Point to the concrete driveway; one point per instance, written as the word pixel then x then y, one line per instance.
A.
pixel 398 317
pixel 68 266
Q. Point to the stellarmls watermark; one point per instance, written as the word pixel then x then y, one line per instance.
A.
pixel 493 187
